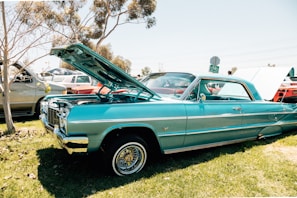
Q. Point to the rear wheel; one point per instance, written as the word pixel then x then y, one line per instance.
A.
pixel 127 155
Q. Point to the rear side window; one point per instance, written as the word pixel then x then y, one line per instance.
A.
pixel 83 79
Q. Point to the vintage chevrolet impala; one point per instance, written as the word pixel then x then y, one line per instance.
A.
pixel 128 121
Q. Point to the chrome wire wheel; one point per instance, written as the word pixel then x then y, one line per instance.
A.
pixel 129 158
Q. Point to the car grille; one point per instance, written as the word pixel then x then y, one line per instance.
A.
pixel 52 117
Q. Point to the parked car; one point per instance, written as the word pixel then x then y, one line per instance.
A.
pixel 26 91
pixel 287 92
pixel 76 80
pixel 62 71
pixel 57 74
pixel 87 89
pixel 72 81
pixel 131 126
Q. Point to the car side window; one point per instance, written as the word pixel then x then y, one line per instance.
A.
pixel 215 90
pixel 222 90
pixel 83 79
pixel 19 75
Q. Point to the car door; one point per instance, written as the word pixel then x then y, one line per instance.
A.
pixel 216 117
pixel 22 91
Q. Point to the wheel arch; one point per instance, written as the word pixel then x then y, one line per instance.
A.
pixel 36 110
pixel 145 133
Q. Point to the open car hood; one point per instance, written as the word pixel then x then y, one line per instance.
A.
pixel 267 80
pixel 91 63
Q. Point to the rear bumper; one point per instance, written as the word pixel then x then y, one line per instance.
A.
pixel 73 144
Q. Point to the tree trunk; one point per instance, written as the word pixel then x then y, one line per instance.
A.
pixel 6 107
pixel 5 92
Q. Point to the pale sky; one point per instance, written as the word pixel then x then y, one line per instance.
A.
pixel 242 33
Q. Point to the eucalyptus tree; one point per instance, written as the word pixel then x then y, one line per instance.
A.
pixel 89 21
pixel 109 14
pixel 122 63
pixel 106 52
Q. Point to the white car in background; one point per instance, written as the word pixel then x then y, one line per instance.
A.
pixel 68 78
pixel 57 74
pixel 72 81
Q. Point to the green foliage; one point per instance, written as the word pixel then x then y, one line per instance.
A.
pixel 122 63
pixel 104 16
pixel 33 165
pixel 106 52
pixel 65 21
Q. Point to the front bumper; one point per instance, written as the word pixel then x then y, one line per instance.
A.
pixel 73 144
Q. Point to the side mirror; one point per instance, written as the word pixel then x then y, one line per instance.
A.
pixel 202 97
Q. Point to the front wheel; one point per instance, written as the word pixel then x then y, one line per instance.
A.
pixel 127 155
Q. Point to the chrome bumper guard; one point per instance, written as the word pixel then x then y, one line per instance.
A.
pixel 75 144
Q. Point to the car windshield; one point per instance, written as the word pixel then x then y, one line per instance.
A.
pixel 169 84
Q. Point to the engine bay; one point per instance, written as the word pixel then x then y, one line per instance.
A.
pixel 100 99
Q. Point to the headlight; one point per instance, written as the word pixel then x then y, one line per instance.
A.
pixel 63 114
pixel 63 124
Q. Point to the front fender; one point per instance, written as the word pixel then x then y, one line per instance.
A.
pixel 96 140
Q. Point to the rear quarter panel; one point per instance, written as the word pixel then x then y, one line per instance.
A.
pixel 268 118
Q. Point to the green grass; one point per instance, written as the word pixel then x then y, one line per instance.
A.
pixel 33 165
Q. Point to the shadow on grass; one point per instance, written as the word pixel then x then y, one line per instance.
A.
pixel 65 175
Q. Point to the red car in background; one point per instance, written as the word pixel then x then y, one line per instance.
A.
pixel 287 92
pixel 88 89
pixel 94 89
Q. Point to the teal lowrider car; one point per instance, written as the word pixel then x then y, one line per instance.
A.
pixel 128 122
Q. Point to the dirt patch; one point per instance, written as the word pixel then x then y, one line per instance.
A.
pixel 287 152
pixel 22 132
